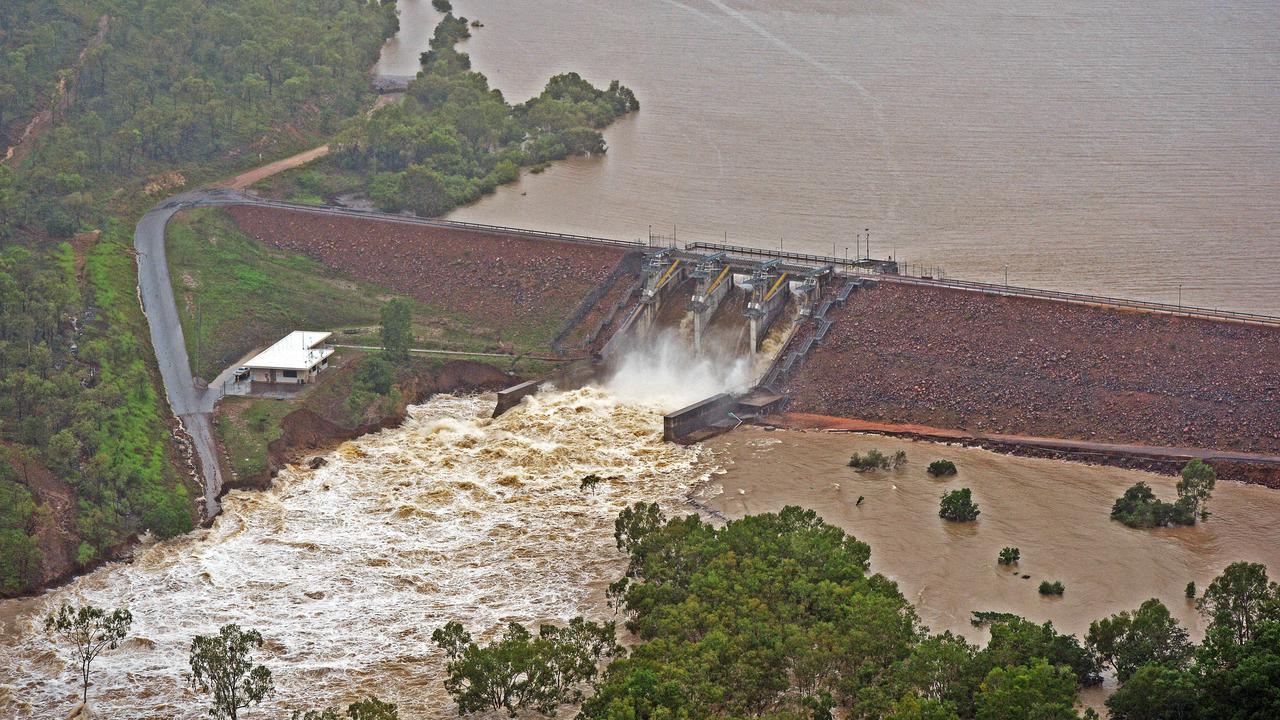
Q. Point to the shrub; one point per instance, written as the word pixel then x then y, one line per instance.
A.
pixel 1052 588
pixel 1009 556
pixel 876 460
pixel 375 374
pixel 873 460
pixel 942 468
pixel 958 506
pixel 1191 590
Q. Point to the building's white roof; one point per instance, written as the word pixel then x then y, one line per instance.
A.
pixel 295 351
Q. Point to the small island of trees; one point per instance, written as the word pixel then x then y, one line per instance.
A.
pixel 1140 508
pixel 876 460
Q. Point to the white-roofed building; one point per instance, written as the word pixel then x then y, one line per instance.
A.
pixel 294 359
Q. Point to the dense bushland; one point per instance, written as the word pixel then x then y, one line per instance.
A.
pixel 453 138
pixel 176 88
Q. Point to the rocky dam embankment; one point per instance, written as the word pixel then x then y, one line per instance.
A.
pixel 989 364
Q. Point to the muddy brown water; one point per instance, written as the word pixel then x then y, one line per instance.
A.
pixel 1100 147
pixel 1056 513
pixel 347 569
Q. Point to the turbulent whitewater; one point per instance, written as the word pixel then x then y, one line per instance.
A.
pixel 346 570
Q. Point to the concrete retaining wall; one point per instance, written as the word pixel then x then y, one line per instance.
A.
pixel 697 416
pixel 566 378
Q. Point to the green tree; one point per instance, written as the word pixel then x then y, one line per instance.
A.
pixel 1009 556
pixel 1020 642
pixel 958 506
pixel 520 670
pixel 375 374
pixel 88 631
pixel 1156 692
pixel 1196 485
pixel 371 708
pixel 1240 680
pixel 223 665
pixel 1239 599
pixel 914 708
pixel 1128 640
pixel 636 523
pixel 397 330
pixel 1037 691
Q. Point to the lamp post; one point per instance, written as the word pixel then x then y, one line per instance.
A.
pixel 1006 276
pixel 1179 297
pixel 868 243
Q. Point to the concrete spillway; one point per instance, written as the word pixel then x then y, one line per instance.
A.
pixel 710 320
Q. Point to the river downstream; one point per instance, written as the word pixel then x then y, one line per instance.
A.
pixel 346 570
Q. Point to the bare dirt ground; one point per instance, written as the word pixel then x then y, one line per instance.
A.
pixel 244 180
pixel 522 286
pixel 1017 366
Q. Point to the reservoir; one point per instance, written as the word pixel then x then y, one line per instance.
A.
pixel 1121 149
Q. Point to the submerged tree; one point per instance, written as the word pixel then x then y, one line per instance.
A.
pixel 89 631
pixel 223 665
pixel 1196 485
pixel 958 506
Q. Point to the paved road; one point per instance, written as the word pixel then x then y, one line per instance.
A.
pixel 192 405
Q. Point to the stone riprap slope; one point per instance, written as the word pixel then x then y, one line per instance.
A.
pixel 524 287
pixel 953 359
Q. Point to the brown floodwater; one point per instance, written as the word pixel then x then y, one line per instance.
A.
pixel 1118 148
pixel 1056 513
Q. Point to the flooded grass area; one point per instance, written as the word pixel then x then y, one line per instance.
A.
pixel 1057 513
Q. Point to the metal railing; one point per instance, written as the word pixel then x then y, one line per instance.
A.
pixel 806 258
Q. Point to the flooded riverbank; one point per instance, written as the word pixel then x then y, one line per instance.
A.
pixel 1057 513
pixel 347 570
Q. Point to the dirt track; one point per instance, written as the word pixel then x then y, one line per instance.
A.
pixel 1018 366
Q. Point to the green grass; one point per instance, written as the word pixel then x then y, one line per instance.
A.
pixel 245 426
pixel 235 294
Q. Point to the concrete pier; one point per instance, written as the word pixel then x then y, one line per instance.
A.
pixel 769 293
pixel 715 279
